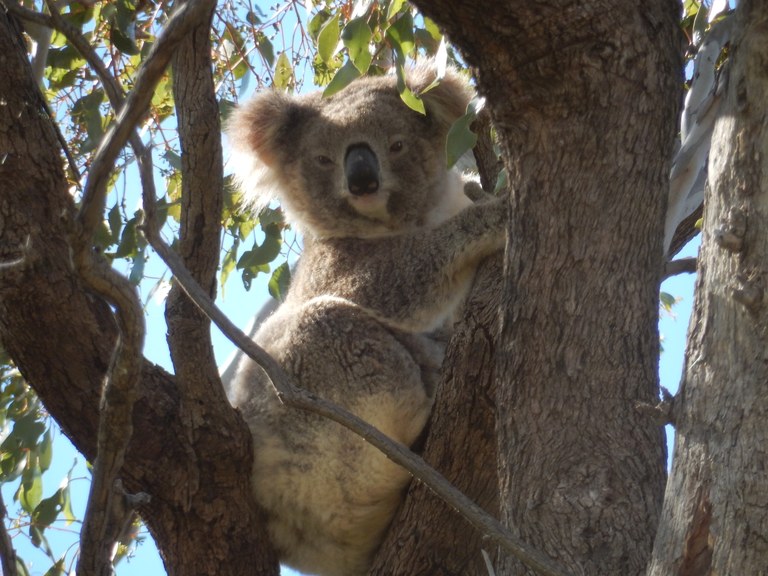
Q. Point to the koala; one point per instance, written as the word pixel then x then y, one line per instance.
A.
pixel 391 244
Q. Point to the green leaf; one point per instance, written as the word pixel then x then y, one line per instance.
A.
pixel 122 42
pixel 264 253
pixel 21 568
pixel 406 95
pixel 460 137
pixel 87 112
pixel 31 489
pixel 47 511
pixel 226 107
pixel 45 451
pixel 501 181
pixel 271 216
pixel 667 300
pixel 162 99
pixel 283 72
pixel 342 79
pixel 229 262
pixel 394 8
pixel 432 29
pixel 123 27
pixel 137 269
pixel 265 48
pixel 250 273
pixel 700 25
pixel 328 38
pixel 66 58
pixel 173 159
pixel 357 36
pixel 400 36
pixel 27 431
pixel 317 22
pixel 129 241
pixel 280 281
pixel 66 507
pixel 325 71
pixel 39 540
pixel 57 569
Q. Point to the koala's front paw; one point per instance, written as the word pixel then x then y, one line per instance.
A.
pixel 475 192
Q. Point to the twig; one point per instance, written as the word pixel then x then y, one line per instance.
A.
pixel 296 397
pixel 7 553
pixel 679 266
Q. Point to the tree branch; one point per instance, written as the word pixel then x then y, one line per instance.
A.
pixel 679 266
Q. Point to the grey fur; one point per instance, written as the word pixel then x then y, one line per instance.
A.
pixel 379 272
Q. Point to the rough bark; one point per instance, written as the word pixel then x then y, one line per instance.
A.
pixel 585 108
pixel 61 338
pixel 714 519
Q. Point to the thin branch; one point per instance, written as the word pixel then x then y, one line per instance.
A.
pixel 295 397
pixel 7 553
pixel 679 266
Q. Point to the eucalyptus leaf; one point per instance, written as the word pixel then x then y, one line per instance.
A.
pixel 406 94
pixel 400 35
pixel 283 78
pixel 280 281
pixel 265 48
pixel 328 39
pixel 342 79
pixel 357 36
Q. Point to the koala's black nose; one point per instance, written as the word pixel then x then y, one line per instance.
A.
pixel 361 167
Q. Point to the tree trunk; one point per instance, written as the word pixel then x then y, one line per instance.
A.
pixel 584 97
pixel 714 519
pixel 61 338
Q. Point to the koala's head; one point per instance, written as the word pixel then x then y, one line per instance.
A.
pixel 357 164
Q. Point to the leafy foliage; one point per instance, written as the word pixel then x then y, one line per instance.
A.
pixel 26 452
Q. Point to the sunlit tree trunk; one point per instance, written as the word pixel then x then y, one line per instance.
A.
pixel 714 519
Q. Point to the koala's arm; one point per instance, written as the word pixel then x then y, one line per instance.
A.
pixel 475 192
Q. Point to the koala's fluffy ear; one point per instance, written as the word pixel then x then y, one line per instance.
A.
pixel 260 133
pixel 255 128
pixel 448 100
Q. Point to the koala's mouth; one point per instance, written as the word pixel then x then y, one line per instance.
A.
pixel 373 206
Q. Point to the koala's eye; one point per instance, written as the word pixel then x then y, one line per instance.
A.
pixel 323 160
pixel 397 146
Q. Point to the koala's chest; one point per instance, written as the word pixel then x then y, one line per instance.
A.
pixel 348 270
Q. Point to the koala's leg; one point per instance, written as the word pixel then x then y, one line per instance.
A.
pixel 330 496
